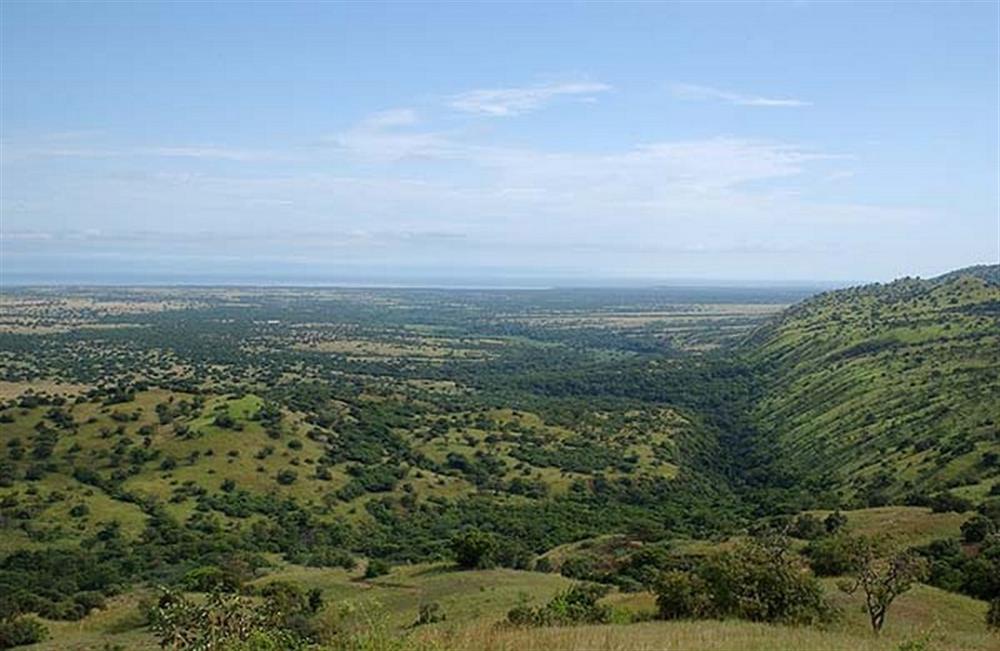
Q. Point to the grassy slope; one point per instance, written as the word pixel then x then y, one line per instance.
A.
pixel 475 601
pixel 900 381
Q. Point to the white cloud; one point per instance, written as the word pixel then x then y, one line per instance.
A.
pixel 504 102
pixel 695 92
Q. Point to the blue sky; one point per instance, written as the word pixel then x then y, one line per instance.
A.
pixel 779 141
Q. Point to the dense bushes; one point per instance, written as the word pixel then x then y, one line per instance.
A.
pixel 577 605
pixel 951 569
pixel 830 556
pixel 57 584
pixel 15 631
pixel 993 615
pixel 222 622
pixel 759 581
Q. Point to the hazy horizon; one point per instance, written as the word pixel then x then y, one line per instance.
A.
pixel 771 142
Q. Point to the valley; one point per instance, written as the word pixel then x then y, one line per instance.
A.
pixel 365 444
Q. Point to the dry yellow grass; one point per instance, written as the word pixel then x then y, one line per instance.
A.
pixel 9 390
pixel 693 636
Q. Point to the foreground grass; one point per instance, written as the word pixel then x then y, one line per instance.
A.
pixel 703 636
pixel 475 602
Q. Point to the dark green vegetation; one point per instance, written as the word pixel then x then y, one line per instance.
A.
pixel 201 438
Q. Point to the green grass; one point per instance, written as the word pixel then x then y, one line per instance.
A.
pixel 908 526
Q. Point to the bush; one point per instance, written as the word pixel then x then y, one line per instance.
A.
pixel 977 528
pixel 759 581
pixel 808 527
pixel 835 522
pixel 993 615
pixel 475 549
pixel 429 613
pixel 830 556
pixel 577 605
pixel 208 578
pixel 21 630
pixel 683 595
pixel 79 511
pixel 944 502
pixel 377 567
pixel 225 622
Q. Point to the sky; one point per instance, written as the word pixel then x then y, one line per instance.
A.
pixel 779 141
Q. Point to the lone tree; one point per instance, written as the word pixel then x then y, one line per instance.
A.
pixel 882 573
pixel 475 549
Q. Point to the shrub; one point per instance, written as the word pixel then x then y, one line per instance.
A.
pixel 808 527
pixel 475 549
pixel 543 565
pixel 429 613
pixel 977 528
pixel 208 578
pixel 759 581
pixel 993 615
pixel 944 502
pixel 287 477
pixel 682 595
pixel 377 567
pixel 577 605
pixel 830 556
pixel 229 622
pixel 835 522
pixel 79 511
pixel 21 630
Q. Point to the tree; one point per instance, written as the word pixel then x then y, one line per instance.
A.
pixel 759 581
pixel 882 573
pixel 977 529
pixel 835 522
pixel 475 549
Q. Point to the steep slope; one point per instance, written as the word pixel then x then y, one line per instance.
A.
pixel 888 389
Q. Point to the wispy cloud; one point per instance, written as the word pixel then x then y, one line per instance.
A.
pixel 695 92
pixel 505 102
pixel 384 136
pixel 212 152
pixel 180 151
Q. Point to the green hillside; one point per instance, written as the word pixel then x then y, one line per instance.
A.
pixel 885 390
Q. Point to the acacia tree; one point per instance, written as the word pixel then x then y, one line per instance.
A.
pixel 882 573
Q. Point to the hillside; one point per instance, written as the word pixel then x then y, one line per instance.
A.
pixel 885 390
